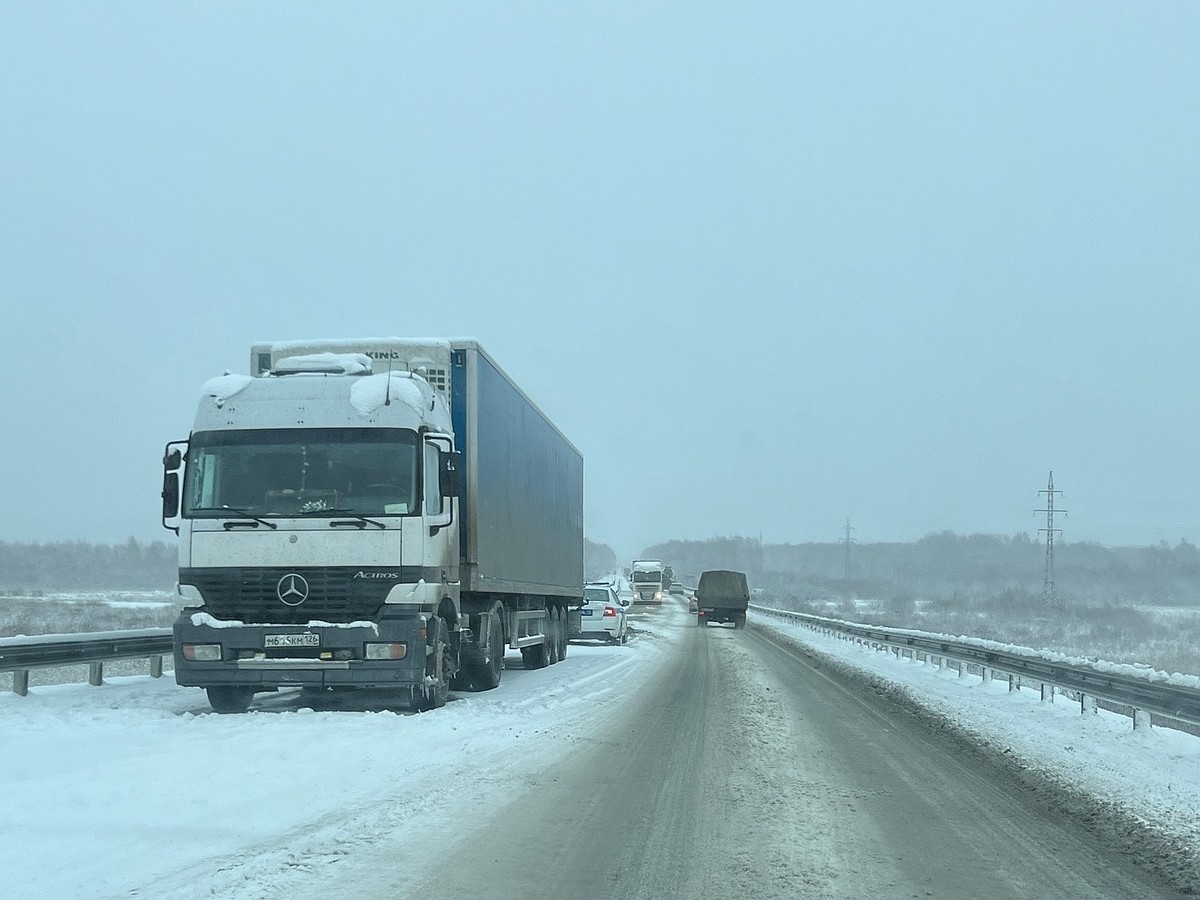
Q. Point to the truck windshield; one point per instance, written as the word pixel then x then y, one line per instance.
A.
pixel 647 577
pixel 301 471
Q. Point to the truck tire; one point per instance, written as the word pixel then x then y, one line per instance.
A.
pixel 488 673
pixel 534 657
pixel 552 625
pixel 538 656
pixel 560 633
pixel 434 696
pixel 230 699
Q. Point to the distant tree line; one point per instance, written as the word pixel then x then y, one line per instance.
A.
pixel 689 558
pixel 599 560
pixel 79 565
pixel 137 566
pixel 949 565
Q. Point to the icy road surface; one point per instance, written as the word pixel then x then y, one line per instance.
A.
pixel 692 762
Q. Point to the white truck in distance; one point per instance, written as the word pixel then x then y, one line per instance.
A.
pixel 646 580
pixel 371 513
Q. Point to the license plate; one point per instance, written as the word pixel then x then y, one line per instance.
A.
pixel 585 612
pixel 292 640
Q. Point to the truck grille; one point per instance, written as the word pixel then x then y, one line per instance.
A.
pixel 252 594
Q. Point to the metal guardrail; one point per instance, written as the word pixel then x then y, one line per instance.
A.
pixel 19 655
pixel 1139 697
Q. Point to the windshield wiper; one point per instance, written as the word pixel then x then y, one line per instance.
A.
pixel 359 521
pixel 241 512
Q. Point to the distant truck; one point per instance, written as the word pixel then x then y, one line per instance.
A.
pixel 371 513
pixel 646 580
pixel 722 596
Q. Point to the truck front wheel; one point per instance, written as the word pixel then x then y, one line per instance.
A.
pixel 230 699
pixel 436 691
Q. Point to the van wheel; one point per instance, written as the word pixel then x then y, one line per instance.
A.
pixel 230 699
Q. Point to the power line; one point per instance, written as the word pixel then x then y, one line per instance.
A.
pixel 1049 596
pixel 847 540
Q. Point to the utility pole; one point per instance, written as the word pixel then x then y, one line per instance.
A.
pixel 847 540
pixel 1049 597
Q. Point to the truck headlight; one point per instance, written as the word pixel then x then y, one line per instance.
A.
pixel 202 652
pixel 387 651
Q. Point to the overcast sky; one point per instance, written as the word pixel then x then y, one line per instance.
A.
pixel 768 265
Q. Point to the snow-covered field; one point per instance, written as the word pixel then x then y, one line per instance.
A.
pixel 1153 774
pixel 136 789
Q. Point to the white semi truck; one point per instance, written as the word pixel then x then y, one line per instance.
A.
pixel 646 580
pixel 371 513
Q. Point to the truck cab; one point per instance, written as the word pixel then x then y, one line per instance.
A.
pixel 646 581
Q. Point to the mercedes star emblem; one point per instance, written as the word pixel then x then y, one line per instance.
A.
pixel 292 589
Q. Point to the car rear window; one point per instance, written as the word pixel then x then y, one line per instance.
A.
pixel 591 594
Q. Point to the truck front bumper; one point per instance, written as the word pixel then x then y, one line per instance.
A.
pixel 320 655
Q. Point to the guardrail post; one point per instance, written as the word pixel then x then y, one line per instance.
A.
pixel 985 672
pixel 96 673
pixel 1087 703
pixel 1047 693
pixel 156 667
pixel 1014 682
pixel 21 682
pixel 1141 719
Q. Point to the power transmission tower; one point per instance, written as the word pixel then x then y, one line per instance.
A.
pixel 1049 596
pixel 847 540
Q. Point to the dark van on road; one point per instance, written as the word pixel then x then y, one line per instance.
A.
pixel 722 597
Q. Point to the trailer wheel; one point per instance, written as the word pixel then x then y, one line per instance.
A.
pixel 230 699
pixel 563 641
pixel 537 656
pixel 487 675
pixel 553 623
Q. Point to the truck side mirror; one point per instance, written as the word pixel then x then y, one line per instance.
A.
pixel 448 480
pixel 170 499
pixel 172 460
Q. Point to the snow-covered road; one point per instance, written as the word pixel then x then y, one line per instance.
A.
pixel 136 789
pixel 690 762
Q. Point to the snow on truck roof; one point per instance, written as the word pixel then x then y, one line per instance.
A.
pixel 324 363
pixel 330 393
